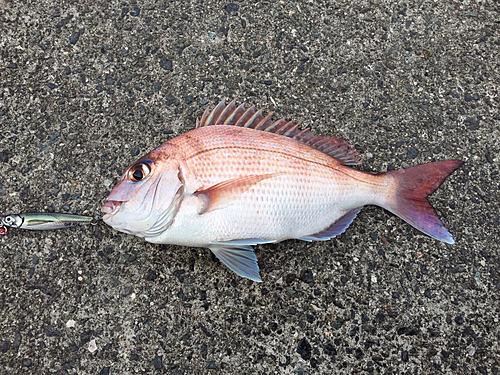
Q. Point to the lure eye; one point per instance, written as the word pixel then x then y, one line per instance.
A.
pixel 139 171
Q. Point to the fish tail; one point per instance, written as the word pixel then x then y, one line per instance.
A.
pixel 409 201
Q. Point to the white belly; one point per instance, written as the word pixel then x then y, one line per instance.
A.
pixel 269 211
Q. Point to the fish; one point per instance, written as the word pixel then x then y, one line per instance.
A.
pixel 43 220
pixel 240 179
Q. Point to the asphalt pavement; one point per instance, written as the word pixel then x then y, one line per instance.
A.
pixel 86 87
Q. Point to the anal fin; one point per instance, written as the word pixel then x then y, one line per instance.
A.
pixel 335 229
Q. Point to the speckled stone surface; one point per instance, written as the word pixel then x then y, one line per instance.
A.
pixel 88 86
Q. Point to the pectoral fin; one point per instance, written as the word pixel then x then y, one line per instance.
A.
pixel 226 193
pixel 239 259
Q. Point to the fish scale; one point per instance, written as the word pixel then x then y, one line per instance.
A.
pixel 238 180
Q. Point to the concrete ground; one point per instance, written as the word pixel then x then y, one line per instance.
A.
pixel 86 87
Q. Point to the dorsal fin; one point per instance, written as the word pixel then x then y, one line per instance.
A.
pixel 250 118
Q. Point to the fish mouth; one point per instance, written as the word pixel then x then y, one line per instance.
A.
pixel 110 208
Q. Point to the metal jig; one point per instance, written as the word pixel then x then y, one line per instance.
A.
pixel 41 221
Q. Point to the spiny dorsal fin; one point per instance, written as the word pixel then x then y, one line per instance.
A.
pixel 250 118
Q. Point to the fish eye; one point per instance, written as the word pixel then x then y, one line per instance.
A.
pixel 8 219
pixel 139 171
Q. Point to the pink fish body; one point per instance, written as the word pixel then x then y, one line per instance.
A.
pixel 239 180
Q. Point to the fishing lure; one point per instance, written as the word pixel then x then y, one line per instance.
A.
pixel 41 221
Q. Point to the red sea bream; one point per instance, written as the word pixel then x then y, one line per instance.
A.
pixel 240 179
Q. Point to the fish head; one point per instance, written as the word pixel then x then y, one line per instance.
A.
pixel 13 221
pixel 148 195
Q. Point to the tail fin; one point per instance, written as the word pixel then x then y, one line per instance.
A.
pixel 412 187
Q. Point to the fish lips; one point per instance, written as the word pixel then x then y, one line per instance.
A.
pixel 110 208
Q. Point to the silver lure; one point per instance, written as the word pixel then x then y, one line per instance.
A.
pixel 43 221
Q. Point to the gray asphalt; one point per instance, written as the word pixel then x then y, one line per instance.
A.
pixel 87 87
